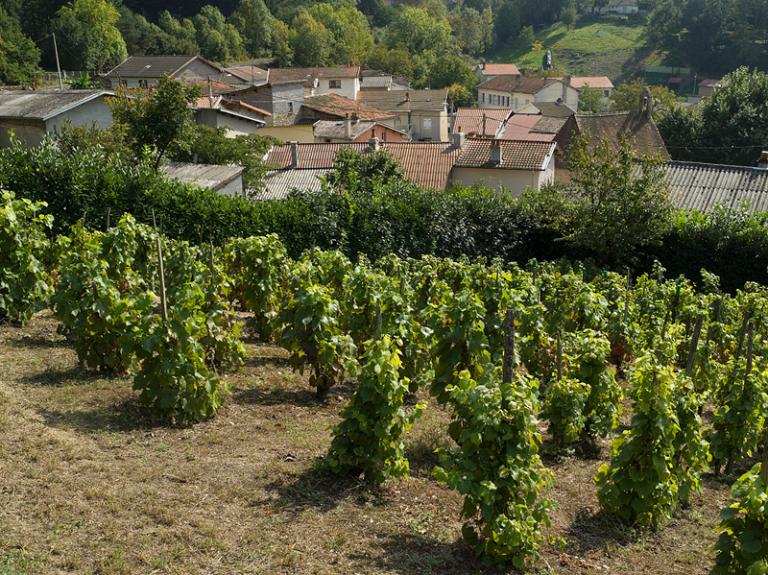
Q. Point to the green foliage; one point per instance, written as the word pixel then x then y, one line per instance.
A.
pixel 591 100
pixel 310 41
pixel 361 173
pixel 259 268
pixel 564 407
pixel 254 22
pixel 88 30
pixel 312 334
pixel 352 38
pixel 743 543
pixel 19 56
pixel 160 119
pixel 621 201
pixel 174 381
pixel 645 481
pixel 415 29
pixel 741 401
pixel 496 466
pixel 629 97
pixel 99 298
pixel 368 438
pixel 24 247
pixel 218 40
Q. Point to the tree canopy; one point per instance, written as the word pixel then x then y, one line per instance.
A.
pixel 88 35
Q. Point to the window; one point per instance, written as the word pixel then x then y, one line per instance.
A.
pixel 290 107
pixel 426 123
pixel 607 93
pixel 334 84
pixel 482 97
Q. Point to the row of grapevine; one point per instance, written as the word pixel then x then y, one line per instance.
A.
pixel 490 341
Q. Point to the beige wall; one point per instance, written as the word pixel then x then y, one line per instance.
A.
pixel 513 181
pixel 301 133
pixel 554 91
pixel 349 87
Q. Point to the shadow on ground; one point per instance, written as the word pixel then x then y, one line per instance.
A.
pixel 122 417
pixel 597 530
pixel 48 341
pixel 69 376
pixel 416 554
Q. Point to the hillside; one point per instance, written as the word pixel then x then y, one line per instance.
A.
pixel 594 48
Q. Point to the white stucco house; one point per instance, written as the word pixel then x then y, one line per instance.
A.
pixel 518 92
pixel 342 80
pixel 31 114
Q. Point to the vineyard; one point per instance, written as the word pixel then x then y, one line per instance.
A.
pixel 482 382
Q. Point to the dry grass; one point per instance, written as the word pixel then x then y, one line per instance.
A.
pixel 87 485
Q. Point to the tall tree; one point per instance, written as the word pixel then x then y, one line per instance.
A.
pixel 218 39
pixel 160 119
pixel 19 57
pixel 88 35
pixel 418 31
pixel 352 38
pixel 282 50
pixel 181 32
pixel 254 22
pixel 311 41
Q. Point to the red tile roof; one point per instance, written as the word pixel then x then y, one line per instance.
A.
pixel 335 105
pixel 599 82
pixel 307 75
pixel 489 69
pixel 515 154
pixel 470 120
pixel 519 84
pixel 523 127
pixel 427 164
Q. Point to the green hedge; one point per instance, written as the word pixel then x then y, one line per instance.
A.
pixel 93 185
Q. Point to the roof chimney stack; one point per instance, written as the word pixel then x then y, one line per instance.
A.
pixel 648 103
pixel 762 163
pixel 496 155
pixel 458 139
pixel 373 144
pixel 348 127
pixel 294 155
pixel 566 84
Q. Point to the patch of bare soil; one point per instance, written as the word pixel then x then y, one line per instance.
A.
pixel 88 485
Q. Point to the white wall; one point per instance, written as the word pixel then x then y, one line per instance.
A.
pixel 96 112
pixel 349 87
pixel 554 91
pixel 233 188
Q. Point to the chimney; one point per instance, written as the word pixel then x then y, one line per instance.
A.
pixel 407 96
pixel 762 163
pixel 566 84
pixel 458 139
pixel 373 144
pixel 496 155
pixel 294 155
pixel 348 127
pixel 485 119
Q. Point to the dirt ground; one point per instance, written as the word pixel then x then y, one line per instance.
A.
pixel 88 485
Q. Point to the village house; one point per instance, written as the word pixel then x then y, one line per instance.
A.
pixel 30 115
pixel 518 92
pixel 146 71
pixel 378 80
pixel 352 129
pixel 623 7
pixel 233 116
pixel 511 166
pixel 707 87
pixel 225 180
pixel 487 71
pixel 342 81
pixel 422 114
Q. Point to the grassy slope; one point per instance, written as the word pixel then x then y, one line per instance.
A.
pixel 594 48
pixel 87 486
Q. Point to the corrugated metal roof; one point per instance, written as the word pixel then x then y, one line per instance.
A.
pixel 427 164
pixel 278 184
pixel 470 120
pixel 203 175
pixel 515 155
pixel 153 66
pixel 405 100
pixel 703 187
pixel 43 105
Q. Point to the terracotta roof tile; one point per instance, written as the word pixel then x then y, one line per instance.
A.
pixel 610 127
pixel 515 155
pixel 490 69
pixel 519 84
pixel 335 105
pixel 308 75
pixel 470 120
pixel 405 100
pixel 427 164
pixel 523 127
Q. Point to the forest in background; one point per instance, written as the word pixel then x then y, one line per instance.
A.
pixel 430 42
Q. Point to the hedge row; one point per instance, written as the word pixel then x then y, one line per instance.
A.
pixel 93 185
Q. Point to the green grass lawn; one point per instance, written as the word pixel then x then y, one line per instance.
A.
pixel 594 48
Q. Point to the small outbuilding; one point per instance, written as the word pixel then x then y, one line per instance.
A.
pixel 226 180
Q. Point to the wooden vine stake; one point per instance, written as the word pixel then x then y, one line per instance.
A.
pixel 694 345
pixel 163 301
pixel 509 347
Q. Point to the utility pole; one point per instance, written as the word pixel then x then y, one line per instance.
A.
pixel 58 65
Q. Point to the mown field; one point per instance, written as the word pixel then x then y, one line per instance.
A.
pixel 88 485
pixel 588 49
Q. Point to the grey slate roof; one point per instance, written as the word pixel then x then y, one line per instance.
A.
pixel 703 187
pixel 43 105
pixel 152 66
pixel 203 175
pixel 278 184
pixel 405 100
pixel 332 129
